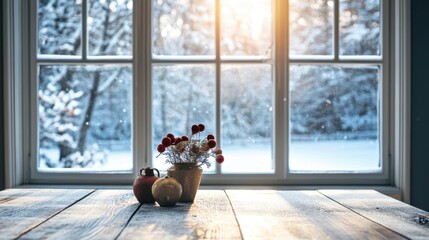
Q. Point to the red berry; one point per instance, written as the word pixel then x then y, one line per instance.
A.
pixel 201 127
pixel 218 151
pixel 210 136
pixel 220 158
pixel 185 138
pixel 166 142
pixel 211 143
pixel 195 129
pixel 171 136
pixel 161 148
pixel 177 140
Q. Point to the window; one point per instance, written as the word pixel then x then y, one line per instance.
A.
pixel 220 75
pixel 335 86
pixel 84 85
pixel 296 91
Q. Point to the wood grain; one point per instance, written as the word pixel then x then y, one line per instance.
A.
pixel 101 215
pixel 14 193
pixel 261 214
pixel 269 214
pixel 382 209
pixel 209 217
pixel 31 207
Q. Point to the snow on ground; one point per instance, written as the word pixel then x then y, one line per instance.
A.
pixel 346 155
pixel 306 156
pixel 316 156
pixel 116 161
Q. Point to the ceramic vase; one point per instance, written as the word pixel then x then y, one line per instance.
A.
pixel 142 186
pixel 189 176
pixel 166 191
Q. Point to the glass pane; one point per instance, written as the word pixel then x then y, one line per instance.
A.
pixel 185 27
pixel 246 27
pixel 59 27
pixel 110 28
pixel 360 27
pixel 183 95
pixel 85 117
pixel 311 27
pixel 334 119
pixel 247 118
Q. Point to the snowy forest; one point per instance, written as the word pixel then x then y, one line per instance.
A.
pixel 85 110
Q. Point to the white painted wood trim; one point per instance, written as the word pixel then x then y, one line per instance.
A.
pixel 32 175
pixel 12 93
pixel 402 154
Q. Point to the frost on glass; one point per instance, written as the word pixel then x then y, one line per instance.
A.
pixel 334 119
pixel 311 27
pixel 185 27
pixel 59 27
pixel 247 118
pixel 360 27
pixel 84 117
pixel 182 95
pixel 246 27
pixel 110 27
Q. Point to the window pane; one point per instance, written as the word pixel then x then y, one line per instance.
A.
pixel 334 119
pixel 183 95
pixel 59 27
pixel 360 27
pixel 311 27
pixel 247 118
pixel 85 117
pixel 110 29
pixel 184 27
pixel 246 27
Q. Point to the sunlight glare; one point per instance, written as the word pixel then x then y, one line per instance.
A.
pixel 246 27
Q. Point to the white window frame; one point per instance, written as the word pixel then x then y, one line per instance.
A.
pixel 384 75
pixel 67 175
pixel 396 104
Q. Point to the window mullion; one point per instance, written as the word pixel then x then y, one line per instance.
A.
pixel 84 29
pixel 33 87
pixel 218 78
pixel 83 62
pixel 336 29
pixel 142 83
pixel 281 89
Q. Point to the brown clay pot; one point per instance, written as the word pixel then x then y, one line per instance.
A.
pixel 142 186
pixel 189 176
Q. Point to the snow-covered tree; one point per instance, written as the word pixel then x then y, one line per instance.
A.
pixel 329 100
pixel 183 94
pixel 71 97
pixel 360 27
pixel 334 101
pixel 311 27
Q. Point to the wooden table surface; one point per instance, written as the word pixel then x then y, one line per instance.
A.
pixel 215 214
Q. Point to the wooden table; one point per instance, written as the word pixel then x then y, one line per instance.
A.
pixel 215 214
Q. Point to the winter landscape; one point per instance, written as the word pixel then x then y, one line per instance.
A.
pixel 85 110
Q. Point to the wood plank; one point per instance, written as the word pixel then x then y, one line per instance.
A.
pixel 209 217
pixel 14 193
pixel 33 207
pixel 382 209
pixel 270 214
pixel 101 215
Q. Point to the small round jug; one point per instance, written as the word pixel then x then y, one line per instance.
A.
pixel 167 191
pixel 142 186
